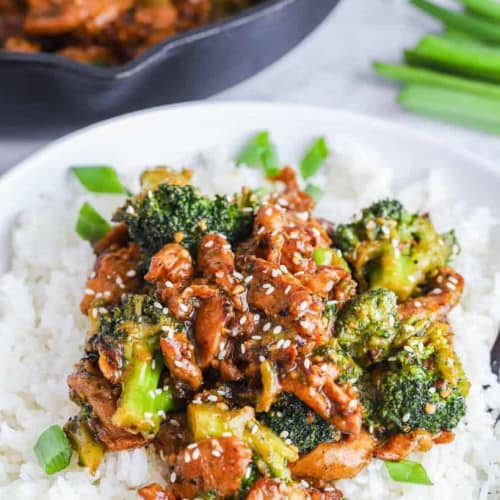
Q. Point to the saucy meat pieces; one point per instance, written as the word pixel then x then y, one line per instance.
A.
pixel 53 17
pixel 89 387
pixel 282 297
pixel 213 465
pixel 210 327
pixel 332 461
pixel 171 269
pixel 115 270
pixel 179 356
pixel 399 446
pixel 269 489
pixel 445 291
pixel 155 492
pixel 172 437
pixel 102 31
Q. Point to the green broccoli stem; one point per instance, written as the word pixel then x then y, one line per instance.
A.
pixel 455 107
pixel 142 405
pixel 487 8
pixel 481 29
pixel 464 58
pixel 422 76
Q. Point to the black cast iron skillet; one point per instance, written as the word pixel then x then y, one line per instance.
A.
pixel 42 92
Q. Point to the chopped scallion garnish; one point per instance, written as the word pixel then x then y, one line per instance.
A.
pixel 90 225
pixel 260 152
pixel 315 192
pixel 407 471
pixel 53 450
pixel 99 179
pixel 314 158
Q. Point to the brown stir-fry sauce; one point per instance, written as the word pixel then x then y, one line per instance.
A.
pixel 242 324
pixel 105 32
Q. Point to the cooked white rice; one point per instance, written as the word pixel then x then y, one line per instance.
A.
pixel 42 334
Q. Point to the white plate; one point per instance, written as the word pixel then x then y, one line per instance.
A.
pixel 169 134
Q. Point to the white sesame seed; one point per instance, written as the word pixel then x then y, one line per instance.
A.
pixel 238 275
pixel 270 290
pixel 173 477
pixel 243 320
pixel 275 273
pixel 262 358
pixel 303 306
pixel 89 291
pixel 187 457
pixel 248 279
pixel 283 268
pixel 277 329
pixel 266 327
pixel 209 244
pixel 178 363
pixel 307 364
pixel 284 434
pixel 406 417
pixel 148 415
pixel 256 337
pixel 287 289
pixel 183 307
pixel 169 284
pixel 243 349
pixel 216 453
pixel 196 454
pixel 212 398
pixel 450 286
pixel 418 304
pixel 131 273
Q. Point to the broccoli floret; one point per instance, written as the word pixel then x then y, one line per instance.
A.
pixel 423 386
pixel 411 399
pixel 128 346
pixel 181 214
pixel 291 418
pixel 388 247
pixel 350 371
pixel 367 325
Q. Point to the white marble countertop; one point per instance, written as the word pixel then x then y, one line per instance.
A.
pixel 332 68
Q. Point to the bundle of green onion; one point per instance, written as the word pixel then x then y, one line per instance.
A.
pixel 454 76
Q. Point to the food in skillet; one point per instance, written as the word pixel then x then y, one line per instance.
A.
pixel 262 352
pixel 105 32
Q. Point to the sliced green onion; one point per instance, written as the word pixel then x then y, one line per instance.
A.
pixel 486 8
pixel 251 156
pixel 314 158
pixel 456 107
pixel 407 471
pixel 90 225
pixel 329 257
pixel 99 179
pixel 476 60
pixel 260 152
pixel 315 192
pixel 270 161
pixel 323 256
pixel 422 76
pixel 482 29
pixel 53 450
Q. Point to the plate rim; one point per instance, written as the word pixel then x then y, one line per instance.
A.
pixel 24 166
